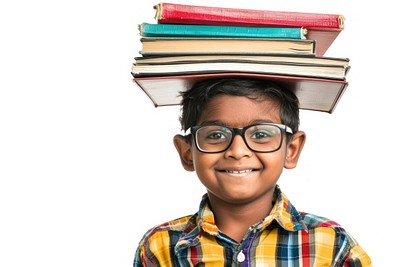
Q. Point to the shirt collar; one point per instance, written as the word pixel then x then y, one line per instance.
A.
pixel 283 212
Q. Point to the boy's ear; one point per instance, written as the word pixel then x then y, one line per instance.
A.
pixel 183 147
pixel 294 148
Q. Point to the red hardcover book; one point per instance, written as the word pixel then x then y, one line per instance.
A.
pixel 313 93
pixel 324 28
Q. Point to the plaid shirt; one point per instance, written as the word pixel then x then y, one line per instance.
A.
pixel 284 238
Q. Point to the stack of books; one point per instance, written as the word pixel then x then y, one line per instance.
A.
pixel 191 43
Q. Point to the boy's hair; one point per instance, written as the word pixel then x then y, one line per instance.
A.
pixel 194 100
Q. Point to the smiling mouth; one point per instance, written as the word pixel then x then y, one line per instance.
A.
pixel 239 172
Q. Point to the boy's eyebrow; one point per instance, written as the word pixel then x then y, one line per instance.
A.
pixel 212 122
pixel 263 121
pixel 250 123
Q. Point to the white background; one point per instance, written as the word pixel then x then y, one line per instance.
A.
pixel 87 164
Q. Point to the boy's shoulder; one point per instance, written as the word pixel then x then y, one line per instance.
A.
pixel 178 226
pixel 317 223
pixel 313 221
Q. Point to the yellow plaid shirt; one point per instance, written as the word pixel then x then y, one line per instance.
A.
pixel 284 238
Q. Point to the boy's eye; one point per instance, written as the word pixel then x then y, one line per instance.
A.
pixel 261 134
pixel 216 136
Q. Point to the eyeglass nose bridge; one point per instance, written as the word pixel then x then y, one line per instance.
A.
pixel 238 131
pixel 241 133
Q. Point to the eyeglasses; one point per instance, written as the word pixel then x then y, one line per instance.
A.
pixel 214 138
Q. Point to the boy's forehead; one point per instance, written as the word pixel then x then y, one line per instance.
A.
pixel 240 109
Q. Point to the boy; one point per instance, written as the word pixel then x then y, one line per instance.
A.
pixel 240 134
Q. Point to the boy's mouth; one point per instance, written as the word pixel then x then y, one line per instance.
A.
pixel 239 172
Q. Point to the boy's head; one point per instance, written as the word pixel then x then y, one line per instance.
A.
pixel 195 99
pixel 242 133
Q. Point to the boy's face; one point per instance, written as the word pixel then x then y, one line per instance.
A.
pixel 239 175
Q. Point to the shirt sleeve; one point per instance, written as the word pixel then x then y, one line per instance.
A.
pixel 137 262
pixel 357 257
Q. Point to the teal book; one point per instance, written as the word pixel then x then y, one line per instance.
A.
pixel 187 30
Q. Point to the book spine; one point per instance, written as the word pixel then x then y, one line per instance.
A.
pixel 156 30
pixel 190 14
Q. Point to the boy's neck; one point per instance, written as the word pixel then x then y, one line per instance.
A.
pixel 234 220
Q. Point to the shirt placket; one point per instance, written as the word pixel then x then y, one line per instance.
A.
pixel 242 255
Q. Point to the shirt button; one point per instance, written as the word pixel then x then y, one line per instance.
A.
pixel 241 257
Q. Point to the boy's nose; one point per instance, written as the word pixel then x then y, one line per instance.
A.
pixel 238 148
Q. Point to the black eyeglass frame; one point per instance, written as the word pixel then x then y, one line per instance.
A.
pixel 238 131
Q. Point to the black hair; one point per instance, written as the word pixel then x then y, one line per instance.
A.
pixel 195 99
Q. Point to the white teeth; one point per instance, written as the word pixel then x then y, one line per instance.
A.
pixel 239 172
